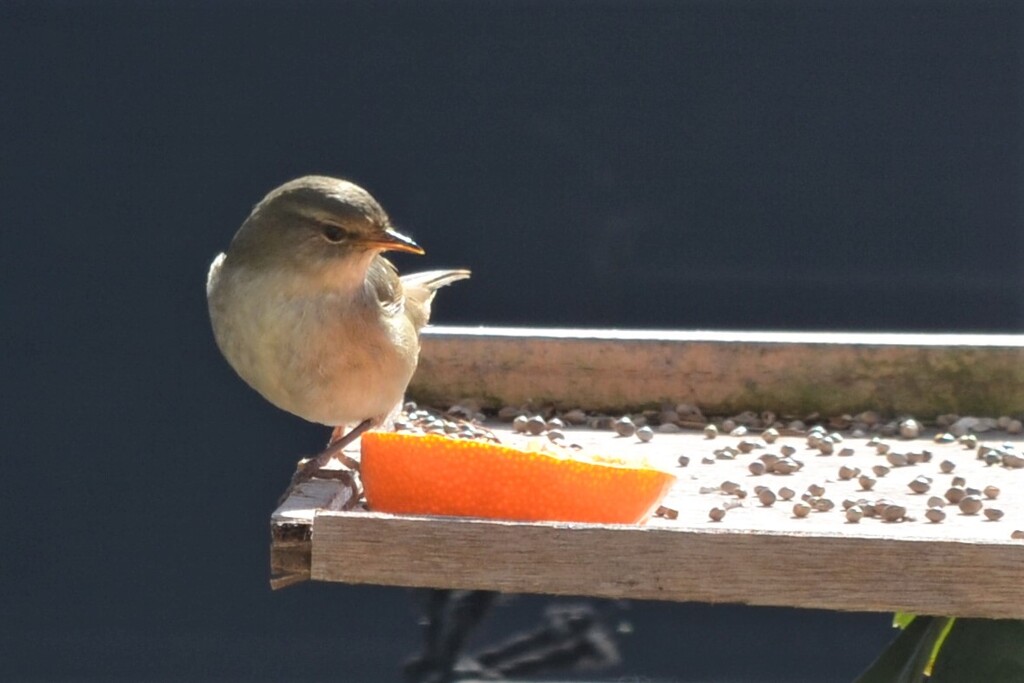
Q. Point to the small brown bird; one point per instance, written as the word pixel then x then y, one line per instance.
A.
pixel 308 312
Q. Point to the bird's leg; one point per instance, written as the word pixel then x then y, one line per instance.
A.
pixel 334 449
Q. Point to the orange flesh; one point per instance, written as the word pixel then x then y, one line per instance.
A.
pixel 429 474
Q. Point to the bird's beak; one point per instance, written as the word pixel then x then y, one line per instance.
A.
pixel 392 240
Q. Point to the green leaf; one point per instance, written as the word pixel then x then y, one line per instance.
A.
pixel 907 657
pixel 982 650
pixel 902 619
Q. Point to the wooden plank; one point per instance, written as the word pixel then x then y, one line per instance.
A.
pixel 291 527
pixel 763 556
pixel 724 372
pixel 757 555
pixel 832 571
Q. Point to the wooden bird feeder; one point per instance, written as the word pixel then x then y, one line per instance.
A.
pixel 967 565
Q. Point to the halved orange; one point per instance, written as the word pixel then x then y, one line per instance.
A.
pixel 430 474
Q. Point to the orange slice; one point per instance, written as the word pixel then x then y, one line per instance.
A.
pixel 429 474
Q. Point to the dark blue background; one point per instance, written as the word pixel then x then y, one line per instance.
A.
pixel 786 165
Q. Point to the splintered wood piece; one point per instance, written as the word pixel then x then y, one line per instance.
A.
pixel 822 570
pixel 291 525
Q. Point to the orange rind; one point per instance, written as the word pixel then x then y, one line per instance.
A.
pixel 430 474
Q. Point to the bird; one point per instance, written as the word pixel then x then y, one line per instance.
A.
pixel 309 313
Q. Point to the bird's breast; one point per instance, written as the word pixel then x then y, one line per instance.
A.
pixel 329 357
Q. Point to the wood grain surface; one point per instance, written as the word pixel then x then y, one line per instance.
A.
pixel 724 372
pixel 759 555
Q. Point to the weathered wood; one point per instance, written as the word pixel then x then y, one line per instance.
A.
pixel 291 527
pixel 724 372
pixel 832 571
pixel 756 555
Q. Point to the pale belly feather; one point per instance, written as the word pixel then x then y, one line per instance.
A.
pixel 327 359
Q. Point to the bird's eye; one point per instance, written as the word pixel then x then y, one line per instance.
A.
pixel 333 233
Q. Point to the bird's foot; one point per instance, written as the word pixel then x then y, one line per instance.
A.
pixel 311 467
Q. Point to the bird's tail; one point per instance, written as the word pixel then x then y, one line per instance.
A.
pixel 420 288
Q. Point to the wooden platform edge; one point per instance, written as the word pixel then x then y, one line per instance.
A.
pixel 724 372
pixel 291 527
pixel 825 571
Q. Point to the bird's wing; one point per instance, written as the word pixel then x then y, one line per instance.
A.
pixel 385 285
pixel 214 272
pixel 419 289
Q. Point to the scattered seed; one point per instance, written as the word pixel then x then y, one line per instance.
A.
pixel 707 461
pixel 893 512
pixel 916 458
pixel 920 484
pixel 666 512
pixel 801 510
pixel 786 493
pixel 816 490
pixel 555 435
pixel 770 435
pixel 969 441
pixel 880 470
pixel 1013 461
pixel 756 467
pixel 944 437
pixel 936 502
pixel 740 430
pixel 767 497
pixel 846 452
pixel 826 447
pixel 1017 535
pixel 645 434
pixel 536 425
pixel 970 505
pixel 955 494
pixel 935 515
pixel 716 514
pixel 823 505
pixel 747 446
pixel 710 431
pixel 847 473
pixel 897 459
pixel 519 423
pixel 728 486
pixel 958 481
pixel 947 466
pixel 866 483
pixel 854 514
pixel 882 448
pixel 624 426
pixel 785 466
pixel 684 460
pixel 787 450
pixel 991 492
pixel 994 514
pixel 910 429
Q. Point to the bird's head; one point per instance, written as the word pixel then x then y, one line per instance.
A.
pixel 317 225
